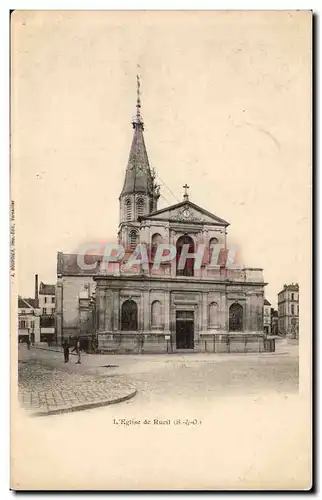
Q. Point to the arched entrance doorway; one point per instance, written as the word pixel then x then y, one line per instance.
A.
pixel 236 318
pixel 187 269
pixel 129 316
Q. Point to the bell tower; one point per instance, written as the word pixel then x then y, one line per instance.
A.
pixel 140 193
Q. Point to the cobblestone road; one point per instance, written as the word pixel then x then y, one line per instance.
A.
pixel 50 390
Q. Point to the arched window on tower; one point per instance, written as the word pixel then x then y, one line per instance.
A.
pixel 128 209
pixel 133 239
pixel 140 207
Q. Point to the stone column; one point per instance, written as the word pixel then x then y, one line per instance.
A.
pixel 108 309
pixel 248 319
pixel 173 262
pixel 224 313
pixel 204 313
pixel 166 312
pixel 141 312
pixel 146 311
pixel 101 305
pixel 259 304
pixel 116 310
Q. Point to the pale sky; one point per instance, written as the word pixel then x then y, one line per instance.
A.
pixel 226 105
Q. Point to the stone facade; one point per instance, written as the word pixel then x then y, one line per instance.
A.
pixel 208 305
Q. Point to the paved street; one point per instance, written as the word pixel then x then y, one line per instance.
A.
pixel 47 383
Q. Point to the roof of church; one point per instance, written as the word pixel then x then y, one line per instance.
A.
pixel 138 175
pixel 71 264
pixel 183 203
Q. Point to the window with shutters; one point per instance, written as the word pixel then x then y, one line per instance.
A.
pixel 140 207
pixel 133 239
pixel 128 209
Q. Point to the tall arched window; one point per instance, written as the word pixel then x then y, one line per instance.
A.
pixel 213 314
pixel 129 316
pixel 133 239
pixel 213 242
pixel 140 206
pixel 128 209
pixel 155 241
pixel 188 268
pixel 156 314
pixel 236 318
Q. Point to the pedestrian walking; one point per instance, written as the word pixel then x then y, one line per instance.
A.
pixel 77 349
pixel 28 343
pixel 66 351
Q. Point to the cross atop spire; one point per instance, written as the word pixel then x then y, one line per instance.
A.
pixel 186 196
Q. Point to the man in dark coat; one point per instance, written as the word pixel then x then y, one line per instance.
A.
pixel 66 351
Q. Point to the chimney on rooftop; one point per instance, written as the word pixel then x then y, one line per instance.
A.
pixel 36 286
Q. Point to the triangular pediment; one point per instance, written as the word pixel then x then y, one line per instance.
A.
pixel 186 211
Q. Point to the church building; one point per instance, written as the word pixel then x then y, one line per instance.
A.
pixel 204 305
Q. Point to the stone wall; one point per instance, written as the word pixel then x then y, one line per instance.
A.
pixel 68 318
pixel 123 343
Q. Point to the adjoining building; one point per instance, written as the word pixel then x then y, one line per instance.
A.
pixel 274 321
pixel 267 317
pixel 288 310
pixel 47 305
pixel 212 307
pixel 28 320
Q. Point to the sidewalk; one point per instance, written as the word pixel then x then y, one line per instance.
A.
pixel 48 387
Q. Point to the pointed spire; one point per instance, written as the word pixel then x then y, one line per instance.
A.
pixel 138 177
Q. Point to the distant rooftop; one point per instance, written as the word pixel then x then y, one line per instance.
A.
pixel 266 303
pixel 27 303
pixel 291 286
pixel 46 289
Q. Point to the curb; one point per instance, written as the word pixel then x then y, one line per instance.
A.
pixel 86 406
